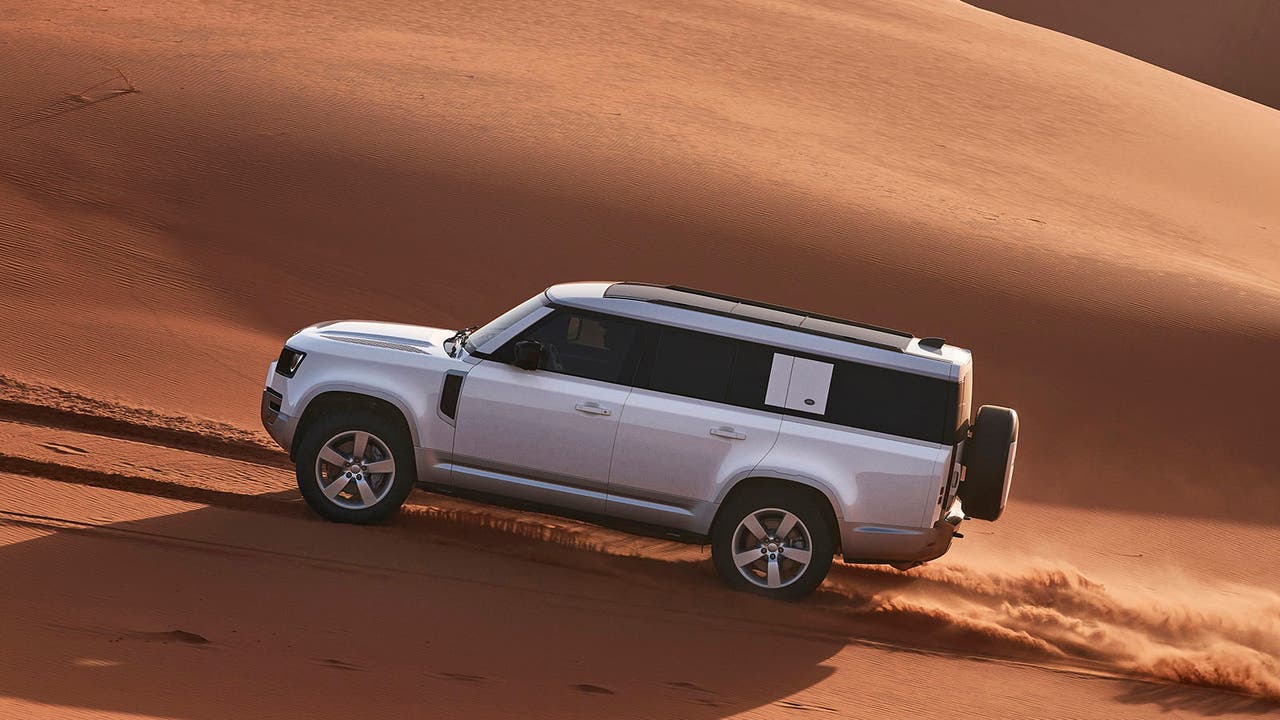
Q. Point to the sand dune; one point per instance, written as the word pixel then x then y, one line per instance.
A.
pixel 1003 600
pixel 1232 46
pixel 1074 216
pixel 181 188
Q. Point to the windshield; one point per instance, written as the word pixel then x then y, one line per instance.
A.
pixel 504 321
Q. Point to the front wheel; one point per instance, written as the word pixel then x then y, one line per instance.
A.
pixel 355 466
pixel 773 542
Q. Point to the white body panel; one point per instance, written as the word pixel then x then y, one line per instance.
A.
pixel 674 455
pixel 556 430
pixel 810 383
pixel 779 380
pixel 878 479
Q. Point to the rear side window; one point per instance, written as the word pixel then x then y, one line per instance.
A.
pixel 693 365
pixel 708 367
pixel 750 379
pixel 892 402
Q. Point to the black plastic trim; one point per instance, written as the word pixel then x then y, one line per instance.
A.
pixel 449 394
pixel 270 410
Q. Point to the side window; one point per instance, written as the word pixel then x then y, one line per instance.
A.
pixel 584 345
pixel 892 402
pixel 751 376
pixel 692 364
pixel 709 367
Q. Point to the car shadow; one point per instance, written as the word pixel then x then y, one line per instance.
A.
pixel 216 613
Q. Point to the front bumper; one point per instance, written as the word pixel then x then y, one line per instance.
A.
pixel 868 544
pixel 278 424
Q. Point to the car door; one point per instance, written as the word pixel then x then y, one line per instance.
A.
pixel 547 435
pixel 696 420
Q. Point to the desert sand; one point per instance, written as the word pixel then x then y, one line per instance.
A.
pixel 1234 46
pixel 181 187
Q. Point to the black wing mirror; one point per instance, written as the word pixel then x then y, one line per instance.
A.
pixel 528 354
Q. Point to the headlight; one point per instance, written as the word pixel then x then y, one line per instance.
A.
pixel 289 361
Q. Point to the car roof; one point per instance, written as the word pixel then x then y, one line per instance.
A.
pixel 815 330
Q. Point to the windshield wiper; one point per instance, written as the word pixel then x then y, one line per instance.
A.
pixel 458 338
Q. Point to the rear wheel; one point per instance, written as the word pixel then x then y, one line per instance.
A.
pixel 355 466
pixel 773 542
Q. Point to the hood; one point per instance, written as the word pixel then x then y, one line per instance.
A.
pixel 426 339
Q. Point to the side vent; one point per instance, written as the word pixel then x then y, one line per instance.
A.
pixel 449 395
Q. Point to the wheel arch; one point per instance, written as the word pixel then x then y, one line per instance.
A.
pixel 337 399
pixel 815 488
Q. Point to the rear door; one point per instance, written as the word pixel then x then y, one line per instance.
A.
pixel 547 435
pixel 695 420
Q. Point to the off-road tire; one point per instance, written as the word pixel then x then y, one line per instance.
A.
pixel 390 432
pixel 813 518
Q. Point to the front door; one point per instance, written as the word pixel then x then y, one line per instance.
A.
pixel 547 435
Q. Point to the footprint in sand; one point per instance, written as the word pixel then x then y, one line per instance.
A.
pixel 792 705
pixel 167 636
pixel 461 677
pixel 63 449
pixel 335 664
pixel 682 685
pixel 700 694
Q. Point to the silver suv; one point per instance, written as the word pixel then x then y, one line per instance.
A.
pixel 779 436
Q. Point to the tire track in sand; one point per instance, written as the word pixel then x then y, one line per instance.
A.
pixel 53 407
pixel 1049 616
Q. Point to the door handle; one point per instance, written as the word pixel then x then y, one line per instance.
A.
pixel 728 432
pixel 591 408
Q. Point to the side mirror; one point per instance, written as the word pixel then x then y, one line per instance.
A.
pixel 528 354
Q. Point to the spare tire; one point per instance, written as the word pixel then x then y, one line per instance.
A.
pixel 988 461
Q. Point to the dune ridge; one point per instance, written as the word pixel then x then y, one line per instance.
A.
pixel 1232 46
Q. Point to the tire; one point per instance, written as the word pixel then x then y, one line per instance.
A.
pixel 988 460
pixel 364 496
pixel 733 541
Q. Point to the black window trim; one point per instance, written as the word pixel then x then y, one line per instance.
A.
pixel 643 381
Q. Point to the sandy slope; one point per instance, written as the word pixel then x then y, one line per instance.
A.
pixel 153 606
pixel 1103 233
pixel 1100 231
pixel 1233 45
pixel 1114 614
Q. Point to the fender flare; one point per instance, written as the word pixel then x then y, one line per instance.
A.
pixel 772 474
pixel 357 389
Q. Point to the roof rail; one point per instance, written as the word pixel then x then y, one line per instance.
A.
pixel 766 313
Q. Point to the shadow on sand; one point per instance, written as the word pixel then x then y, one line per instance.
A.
pixel 217 613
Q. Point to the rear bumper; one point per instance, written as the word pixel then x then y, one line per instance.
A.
pixel 866 543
